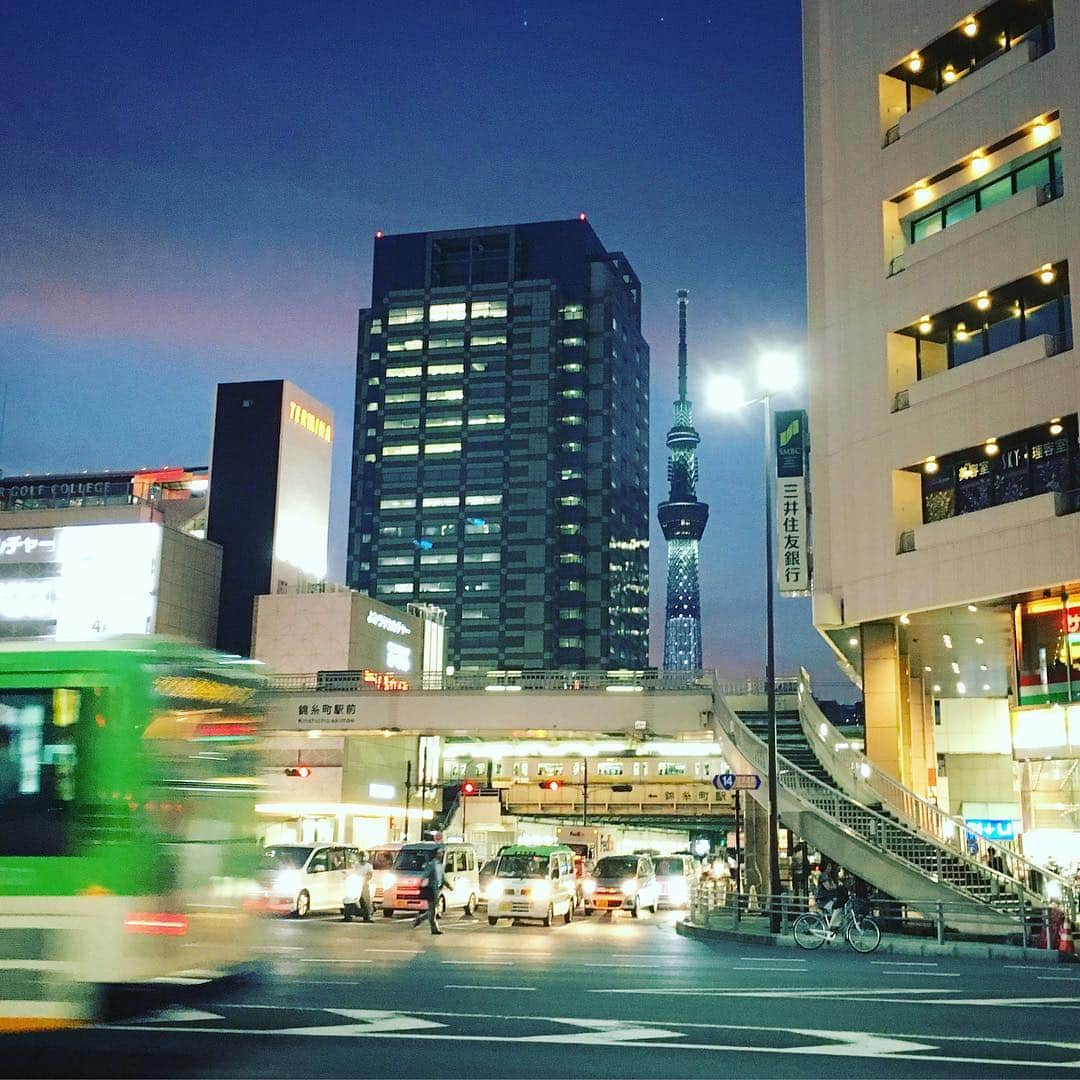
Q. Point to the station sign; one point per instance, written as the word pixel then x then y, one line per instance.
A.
pixel 736 781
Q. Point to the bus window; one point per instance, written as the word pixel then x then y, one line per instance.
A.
pixel 38 757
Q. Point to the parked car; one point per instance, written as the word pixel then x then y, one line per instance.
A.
pixel 624 882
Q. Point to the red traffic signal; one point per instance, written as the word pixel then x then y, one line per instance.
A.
pixel 468 788
pixel 303 771
pixel 550 785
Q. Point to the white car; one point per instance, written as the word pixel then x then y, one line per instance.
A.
pixel 296 879
pixel 623 883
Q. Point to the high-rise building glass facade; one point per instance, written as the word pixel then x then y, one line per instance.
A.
pixel 500 453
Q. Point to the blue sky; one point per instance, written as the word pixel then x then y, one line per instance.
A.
pixel 190 193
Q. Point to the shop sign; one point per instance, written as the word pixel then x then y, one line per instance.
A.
pixel 385 622
pixel 792 518
pixel 992 828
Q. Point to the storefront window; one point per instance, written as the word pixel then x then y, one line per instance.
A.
pixel 1048 651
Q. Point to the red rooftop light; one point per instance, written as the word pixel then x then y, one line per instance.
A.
pixel 583 216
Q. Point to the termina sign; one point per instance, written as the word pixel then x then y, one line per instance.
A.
pixel 384 622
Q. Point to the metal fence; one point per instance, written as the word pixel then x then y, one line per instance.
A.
pixel 713 906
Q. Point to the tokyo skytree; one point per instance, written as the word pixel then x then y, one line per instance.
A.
pixel 683 518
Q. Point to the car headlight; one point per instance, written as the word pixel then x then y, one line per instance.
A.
pixel 388 880
pixel 353 885
pixel 288 882
pixel 495 889
pixel 629 885
pixel 542 890
pixel 588 886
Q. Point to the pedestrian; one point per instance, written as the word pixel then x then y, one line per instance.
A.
pixel 431 880
pixel 366 872
pixel 830 893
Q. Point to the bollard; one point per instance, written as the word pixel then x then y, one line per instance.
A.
pixel 1048 923
pixel 940 923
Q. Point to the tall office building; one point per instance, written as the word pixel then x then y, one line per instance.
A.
pixel 683 519
pixel 269 496
pixel 942 235
pixel 500 455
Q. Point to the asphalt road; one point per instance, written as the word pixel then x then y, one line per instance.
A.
pixel 601 997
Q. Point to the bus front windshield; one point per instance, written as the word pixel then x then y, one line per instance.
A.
pixel 522 866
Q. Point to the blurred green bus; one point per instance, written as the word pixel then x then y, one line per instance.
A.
pixel 128 850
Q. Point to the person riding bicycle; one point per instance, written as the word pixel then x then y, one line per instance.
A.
pixel 830 895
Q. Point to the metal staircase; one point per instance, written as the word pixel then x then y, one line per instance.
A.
pixel 836 800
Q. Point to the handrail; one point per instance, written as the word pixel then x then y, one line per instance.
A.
pixel 923 816
pixel 827 800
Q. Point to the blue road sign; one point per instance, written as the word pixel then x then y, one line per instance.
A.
pixel 736 781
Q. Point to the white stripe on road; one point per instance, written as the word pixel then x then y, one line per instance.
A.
pixel 479 963
pixel 923 974
pixel 905 963
pixel 1059 978
pixel 465 986
pixel 327 960
pixel 786 971
pixel 774 959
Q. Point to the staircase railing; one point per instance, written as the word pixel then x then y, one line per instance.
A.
pixel 876 786
pixel 954 868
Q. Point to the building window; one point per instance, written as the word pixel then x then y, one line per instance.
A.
pixel 437 560
pixel 446 343
pixel 483 419
pixel 437 587
pixel 447 312
pixel 485 340
pixel 572 342
pixel 573 367
pixel 571 500
pixel 443 395
pixel 570 614
pixel 439 528
pixel 440 500
pixel 571 559
pixel 402 425
pixel 572 311
pixel 483 500
pixel 404 372
pixel 398 316
pixel 395 560
pixel 670 768
pixel 609 768
pixel 443 448
pixel 445 369
pixel 405 345
pixel 442 422
pixel 572 421
pixel 397 504
pixel 480 527
pixel 403 450
pixel 1002 470
pixel 489 309
pixel 402 398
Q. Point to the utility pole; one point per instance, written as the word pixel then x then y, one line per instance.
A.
pixel 408 792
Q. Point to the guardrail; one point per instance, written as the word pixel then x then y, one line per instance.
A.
pixel 713 906
pixel 1009 870
pixel 517 681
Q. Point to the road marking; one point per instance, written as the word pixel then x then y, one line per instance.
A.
pixel 280 948
pixel 181 1016
pixel 479 963
pixel 410 952
pixel 923 974
pixel 465 986
pixel 1059 978
pixel 905 963
pixel 787 970
pixel 1026 967
pixel 767 992
pixel 774 959
pixel 373 1022
pixel 328 960
pixel 604 1032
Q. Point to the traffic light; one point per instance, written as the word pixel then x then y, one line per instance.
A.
pixel 468 788
pixel 302 771
pixel 550 785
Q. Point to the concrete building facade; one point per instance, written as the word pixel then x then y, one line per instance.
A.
pixel 941 232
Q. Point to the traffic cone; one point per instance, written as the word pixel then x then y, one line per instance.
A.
pixel 1065 941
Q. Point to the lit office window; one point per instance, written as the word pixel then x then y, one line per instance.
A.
pixel 397 504
pixel 483 500
pixel 402 425
pixel 398 316
pixel 402 398
pixel 445 369
pixel 573 421
pixel 442 421
pixel 446 343
pixel 447 312
pixel 489 309
pixel 395 560
pixel 440 500
pixel 403 450
pixel 404 372
pixel 482 340
pixel 438 560
pixel 480 419
pixel 569 530
pixel 482 556
pixel 444 395
pixel 405 345
pixel 572 311
pixel 572 342
pixel 443 448
pixel 437 587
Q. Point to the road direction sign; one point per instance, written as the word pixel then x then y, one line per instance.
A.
pixel 736 781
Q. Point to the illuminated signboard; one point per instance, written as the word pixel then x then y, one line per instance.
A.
pixel 383 680
pixel 307 419
pixel 992 828
pixel 398 656
pixel 384 622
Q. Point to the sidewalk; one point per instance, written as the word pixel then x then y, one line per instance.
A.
pixel 898 944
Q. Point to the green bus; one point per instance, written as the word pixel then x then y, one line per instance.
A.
pixel 128 775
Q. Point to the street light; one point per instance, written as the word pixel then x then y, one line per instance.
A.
pixel 776 372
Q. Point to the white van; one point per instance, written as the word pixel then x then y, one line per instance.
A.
pixel 533 883
pixel 300 878
pixel 461 878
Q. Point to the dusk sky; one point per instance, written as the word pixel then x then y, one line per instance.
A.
pixel 189 195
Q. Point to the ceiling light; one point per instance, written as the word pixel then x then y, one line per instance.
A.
pixel 1047 274
pixel 982 301
pixel 986 686
pixel 928 668
pixel 962 332
pixel 947 638
pixel 971 27
pixel 853 641
pixel 914 63
pixel 991 448
pixel 922 193
pixel 955 668
pixel 925 325
pixel 980 163
pixel 1055 426
pixel 904 620
pixel 961 688
pixel 949 74
pixel 980 641
pixel 972 608
pixel 930 465
pixel 937 688
pixel 983 667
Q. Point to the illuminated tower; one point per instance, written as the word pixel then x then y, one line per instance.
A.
pixel 683 519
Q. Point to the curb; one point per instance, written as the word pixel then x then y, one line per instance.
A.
pixel 900 946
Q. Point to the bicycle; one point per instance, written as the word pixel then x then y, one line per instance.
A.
pixel 812 930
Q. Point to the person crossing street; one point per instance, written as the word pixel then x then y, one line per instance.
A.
pixel 431 882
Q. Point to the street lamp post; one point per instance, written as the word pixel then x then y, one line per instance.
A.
pixel 777 372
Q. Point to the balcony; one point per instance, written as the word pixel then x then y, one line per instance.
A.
pixel 971 55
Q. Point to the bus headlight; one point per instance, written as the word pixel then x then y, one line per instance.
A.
pixel 288 882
